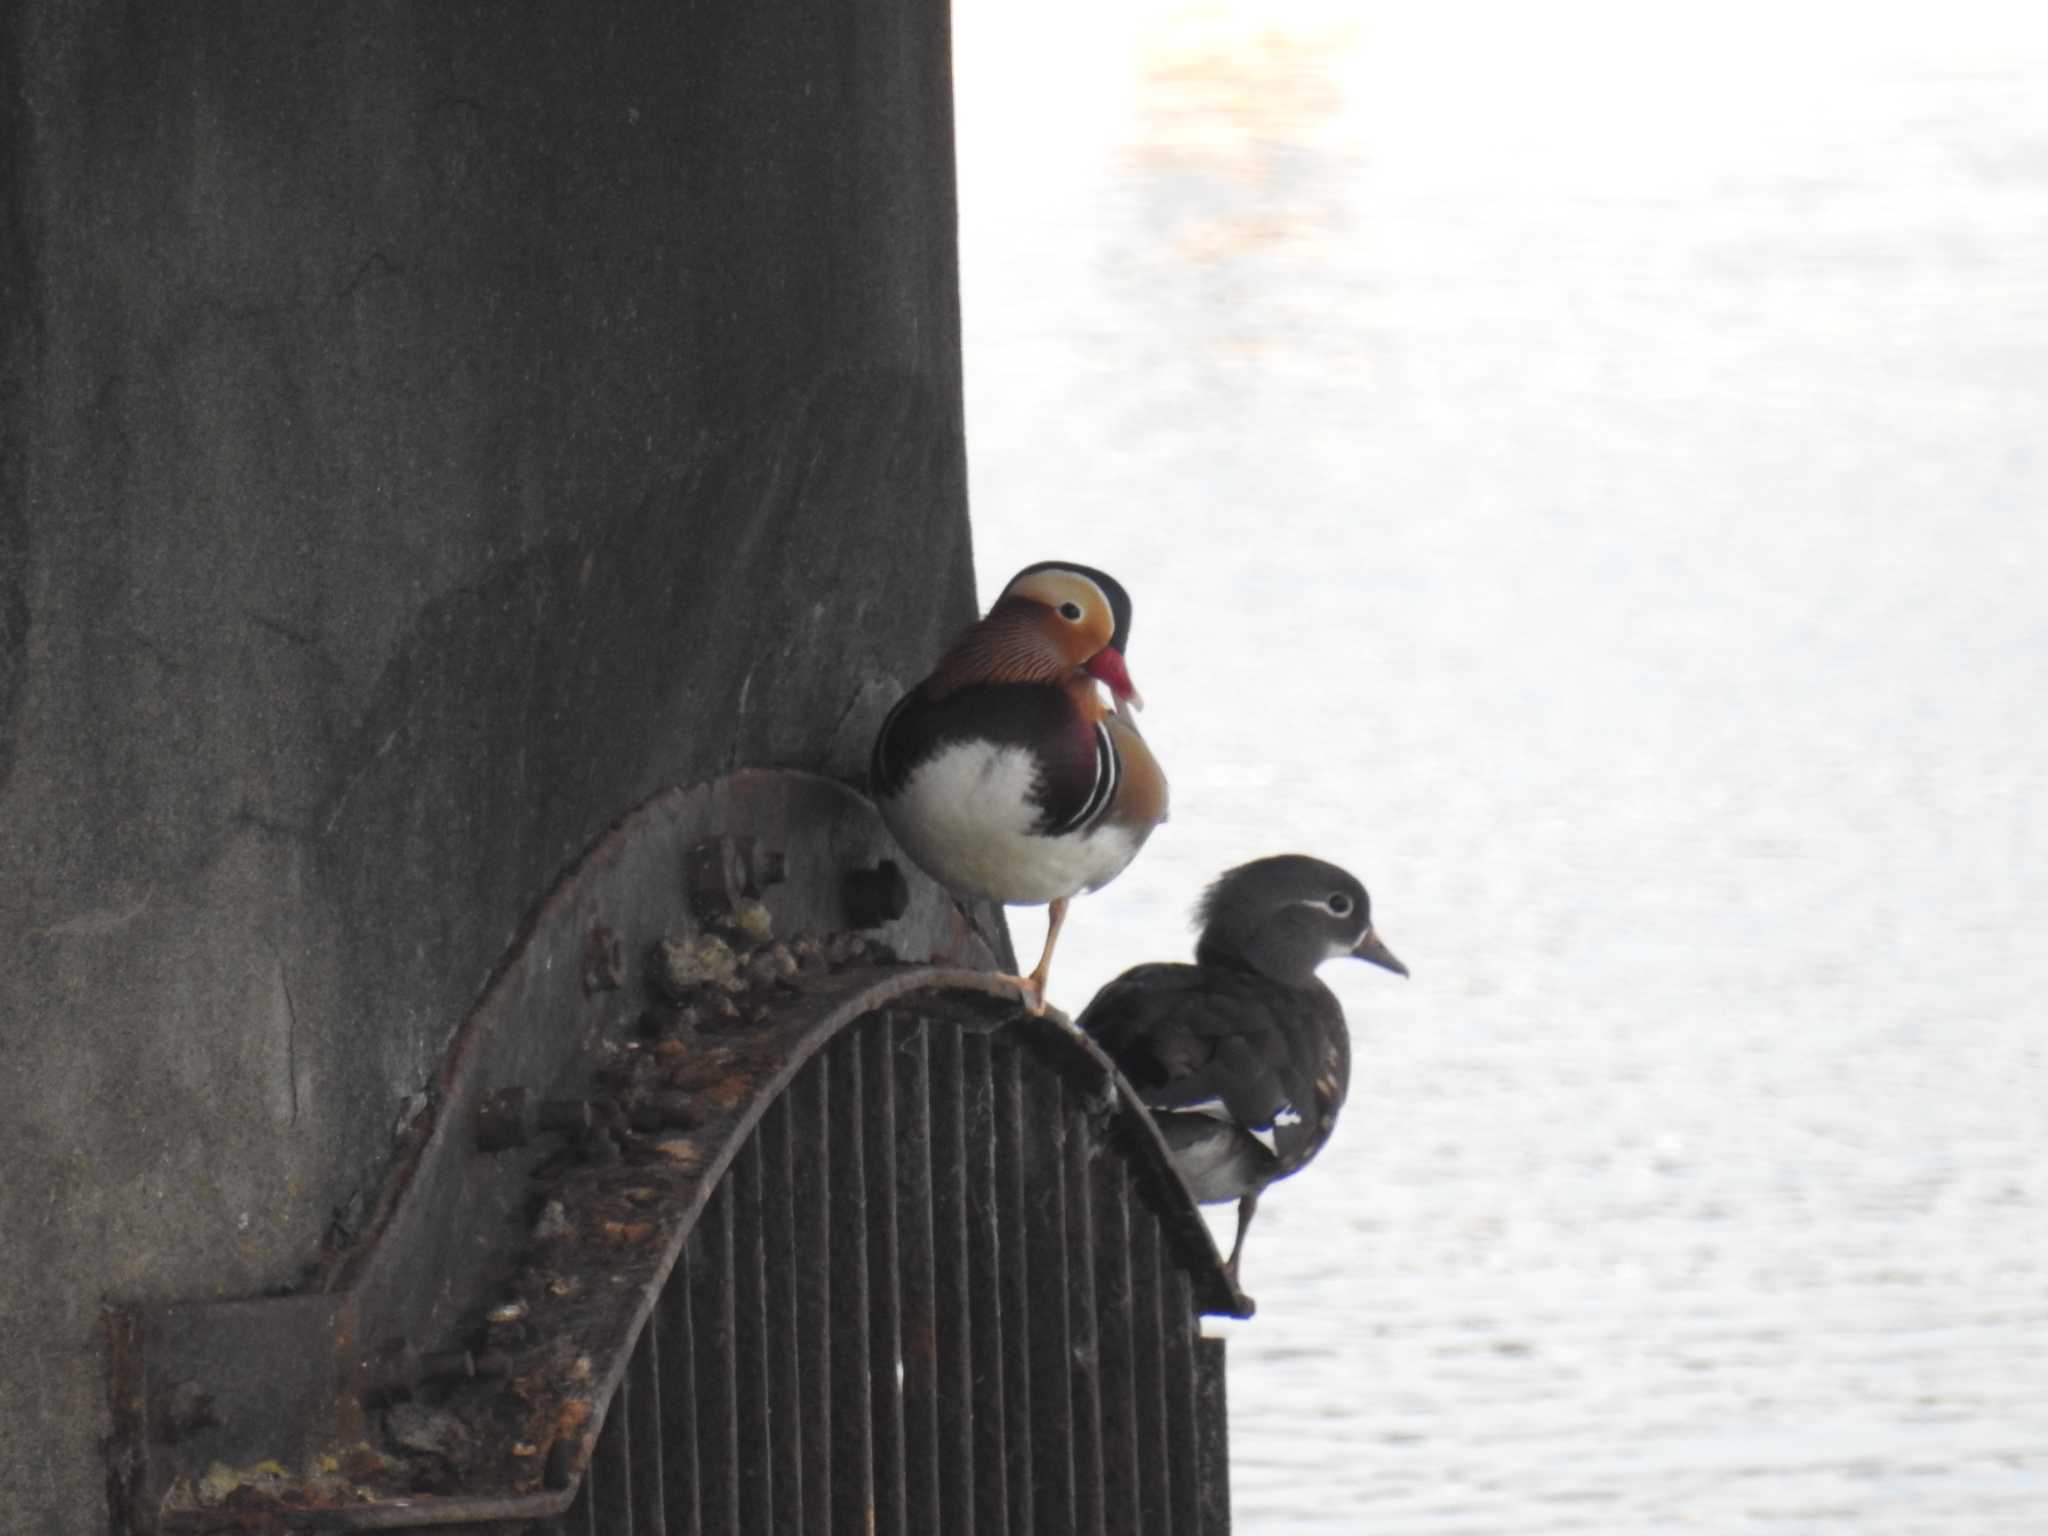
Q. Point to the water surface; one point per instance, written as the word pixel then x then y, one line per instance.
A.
pixel 1584 470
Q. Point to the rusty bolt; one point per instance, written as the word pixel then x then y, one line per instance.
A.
pixel 510 1118
pixel 569 1117
pixel 604 961
pixel 447 1365
pixel 560 1465
pixel 392 1371
pixel 186 1409
pixel 400 1370
pixel 715 875
pixel 663 1112
pixel 607 1114
pixel 490 1365
pixel 395 1370
pixel 874 896
pixel 722 870
pixel 503 1120
pixel 709 874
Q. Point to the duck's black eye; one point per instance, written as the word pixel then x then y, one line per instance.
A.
pixel 1071 612
pixel 1339 903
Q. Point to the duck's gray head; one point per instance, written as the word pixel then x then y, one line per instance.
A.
pixel 1286 915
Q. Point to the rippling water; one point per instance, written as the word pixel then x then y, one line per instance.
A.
pixel 1585 467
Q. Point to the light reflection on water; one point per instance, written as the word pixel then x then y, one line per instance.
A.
pixel 1579 465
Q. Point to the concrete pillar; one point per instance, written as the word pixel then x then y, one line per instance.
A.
pixel 425 431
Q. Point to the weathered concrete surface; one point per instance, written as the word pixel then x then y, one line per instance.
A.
pixel 425 431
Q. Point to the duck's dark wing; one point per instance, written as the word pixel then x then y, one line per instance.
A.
pixel 1191 1037
pixel 1077 763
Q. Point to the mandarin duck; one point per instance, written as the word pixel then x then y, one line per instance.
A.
pixel 1243 1057
pixel 1005 774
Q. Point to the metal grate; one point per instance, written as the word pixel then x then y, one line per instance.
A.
pixel 931 1293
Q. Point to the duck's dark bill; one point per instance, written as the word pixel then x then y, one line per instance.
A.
pixel 1370 948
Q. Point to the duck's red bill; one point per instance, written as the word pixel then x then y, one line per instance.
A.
pixel 1108 665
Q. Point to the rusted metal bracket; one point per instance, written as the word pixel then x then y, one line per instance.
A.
pixel 452 1367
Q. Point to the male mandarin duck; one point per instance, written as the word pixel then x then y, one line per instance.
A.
pixel 1005 774
pixel 1243 1056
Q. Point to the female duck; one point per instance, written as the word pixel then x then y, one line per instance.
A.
pixel 1243 1056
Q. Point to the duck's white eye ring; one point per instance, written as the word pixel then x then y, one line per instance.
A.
pixel 1339 904
pixel 1071 612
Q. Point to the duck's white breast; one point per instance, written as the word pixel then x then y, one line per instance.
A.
pixel 966 816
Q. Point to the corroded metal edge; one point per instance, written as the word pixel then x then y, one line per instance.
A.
pixel 632 882
pixel 791 1044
